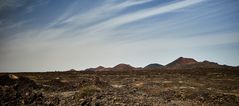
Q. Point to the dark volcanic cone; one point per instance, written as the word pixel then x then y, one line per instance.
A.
pixel 154 66
pixel 181 61
pixel 123 67
pixel 189 63
pixel 99 68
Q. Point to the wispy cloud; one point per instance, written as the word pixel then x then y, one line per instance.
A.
pixel 107 9
pixel 12 4
pixel 146 13
pixel 102 20
pixel 71 20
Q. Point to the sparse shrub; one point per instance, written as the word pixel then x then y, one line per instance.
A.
pixel 89 91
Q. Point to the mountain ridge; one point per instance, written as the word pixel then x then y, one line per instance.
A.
pixel 179 63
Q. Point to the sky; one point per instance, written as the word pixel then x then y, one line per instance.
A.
pixel 56 35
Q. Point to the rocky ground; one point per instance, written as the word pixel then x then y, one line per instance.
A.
pixel 188 87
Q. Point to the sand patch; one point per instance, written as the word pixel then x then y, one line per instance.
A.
pixel 117 86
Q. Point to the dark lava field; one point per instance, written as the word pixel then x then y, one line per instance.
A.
pixel 161 87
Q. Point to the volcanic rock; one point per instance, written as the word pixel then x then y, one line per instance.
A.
pixel 181 61
pixel 189 63
pixel 123 67
pixel 21 91
pixel 154 66
pixel 99 68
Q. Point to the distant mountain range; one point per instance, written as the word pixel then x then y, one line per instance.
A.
pixel 179 63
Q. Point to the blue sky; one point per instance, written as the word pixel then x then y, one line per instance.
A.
pixel 48 35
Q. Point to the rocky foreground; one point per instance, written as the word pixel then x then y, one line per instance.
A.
pixel 122 88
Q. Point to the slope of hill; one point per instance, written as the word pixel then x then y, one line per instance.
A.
pixel 205 64
pixel 154 66
pixel 99 68
pixel 123 67
pixel 181 61
pixel 189 63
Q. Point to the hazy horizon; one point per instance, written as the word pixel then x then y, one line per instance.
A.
pixel 48 35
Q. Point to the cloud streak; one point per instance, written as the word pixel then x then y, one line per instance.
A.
pixel 128 18
pixel 146 13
